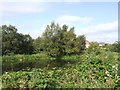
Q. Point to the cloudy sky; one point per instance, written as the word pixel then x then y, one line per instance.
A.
pixel 98 21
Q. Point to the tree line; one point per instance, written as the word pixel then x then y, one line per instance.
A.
pixel 56 41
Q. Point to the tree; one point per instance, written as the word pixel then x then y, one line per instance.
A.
pixel 8 39
pixel 39 45
pixel 80 44
pixel 115 47
pixel 94 48
pixel 59 41
pixel 52 37
pixel 25 44
pixel 68 40
pixel 14 42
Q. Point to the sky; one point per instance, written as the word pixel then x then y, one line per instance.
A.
pixel 98 21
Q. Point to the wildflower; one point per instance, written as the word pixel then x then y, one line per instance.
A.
pixel 113 66
pixel 105 77
pixel 6 72
pixel 107 73
pixel 20 59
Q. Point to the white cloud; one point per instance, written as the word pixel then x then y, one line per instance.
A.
pixel 37 1
pixel 99 28
pixel 59 1
pixel 33 30
pixel 104 39
pixel 69 20
pixel 34 34
pixel 22 7
pixel 105 32
pixel 42 1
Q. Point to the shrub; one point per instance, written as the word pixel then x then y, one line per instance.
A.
pixel 93 48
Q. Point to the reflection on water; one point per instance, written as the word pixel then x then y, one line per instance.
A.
pixel 49 64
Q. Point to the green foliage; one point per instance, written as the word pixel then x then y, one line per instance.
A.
pixel 58 41
pixel 38 45
pixel 28 80
pixel 115 47
pixel 60 62
pixel 19 62
pixel 92 71
pixel 14 42
pixel 107 47
pixel 80 44
pixel 94 48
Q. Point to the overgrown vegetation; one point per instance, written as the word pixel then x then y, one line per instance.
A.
pixel 57 59
pixel 90 71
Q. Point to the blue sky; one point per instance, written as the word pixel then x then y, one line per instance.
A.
pixel 98 21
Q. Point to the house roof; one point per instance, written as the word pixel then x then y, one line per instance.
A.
pixel 87 42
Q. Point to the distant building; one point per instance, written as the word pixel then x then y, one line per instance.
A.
pixel 116 42
pixel 101 44
pixel 87 43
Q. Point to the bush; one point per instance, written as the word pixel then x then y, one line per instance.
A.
pixel 93 48
pixel 28 80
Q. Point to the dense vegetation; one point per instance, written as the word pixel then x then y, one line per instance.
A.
pixel 57 59
pixel 56 41
pixel 15 43
pixel 89 71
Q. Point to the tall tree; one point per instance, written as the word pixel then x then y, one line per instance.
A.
pixel 14 42
pixel 52 38
pixel 59 41
pixel 69 41
pixel 80 43
pixel 39 45
pixel 8 39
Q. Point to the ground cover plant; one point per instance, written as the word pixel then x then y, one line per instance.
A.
pixel 90 71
